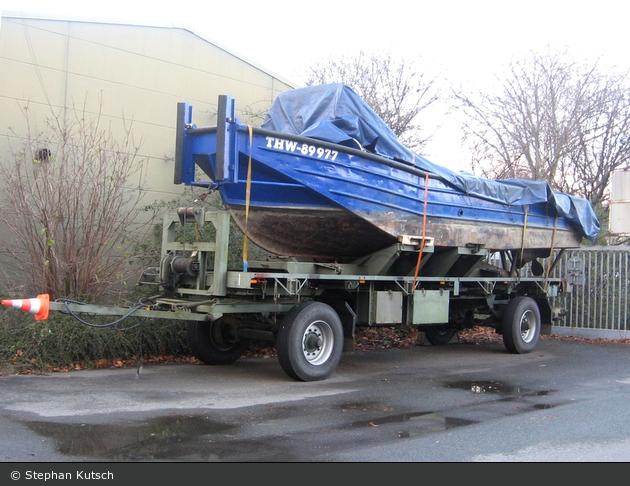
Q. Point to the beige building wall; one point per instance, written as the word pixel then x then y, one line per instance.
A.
pixel 127 73
pixel 131 73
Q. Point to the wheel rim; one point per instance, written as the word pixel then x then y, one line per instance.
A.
pixel 317 342
pixel 528 326
pixel 222 335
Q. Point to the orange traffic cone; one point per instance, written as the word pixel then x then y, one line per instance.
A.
pixel 38 306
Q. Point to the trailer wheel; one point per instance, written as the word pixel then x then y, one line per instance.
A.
pixel 521 325
pixel 215 342
pixel 310 341
pixel 440 335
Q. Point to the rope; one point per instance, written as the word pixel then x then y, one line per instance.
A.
pixel 424 231
pixel 247 195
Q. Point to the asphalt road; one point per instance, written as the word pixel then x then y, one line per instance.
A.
pixel 566 401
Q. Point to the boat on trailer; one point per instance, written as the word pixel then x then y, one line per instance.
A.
pixel 379 237
pixel 324 178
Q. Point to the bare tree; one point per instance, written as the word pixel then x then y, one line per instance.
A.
pixel 72 194
pixel 393 88
pixel 554 120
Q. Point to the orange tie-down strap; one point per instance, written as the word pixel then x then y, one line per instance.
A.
pixel 424 231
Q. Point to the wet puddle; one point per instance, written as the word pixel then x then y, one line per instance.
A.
pixel 160 439
pixel 522 399
pixel 416 424
pixel 277 433
pixel 494 387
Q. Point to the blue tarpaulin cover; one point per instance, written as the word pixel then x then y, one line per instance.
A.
pixel 335 113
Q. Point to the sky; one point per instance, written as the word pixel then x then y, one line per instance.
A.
pixel 465 42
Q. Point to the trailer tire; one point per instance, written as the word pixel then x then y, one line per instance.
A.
pixel 215 342
pixel 310 341
pixel 521 325
pixel 439 335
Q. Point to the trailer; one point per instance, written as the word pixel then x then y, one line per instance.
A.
pixel 310 308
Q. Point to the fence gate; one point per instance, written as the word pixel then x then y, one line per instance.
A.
pixel 597 299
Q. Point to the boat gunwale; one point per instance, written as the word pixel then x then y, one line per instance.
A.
pixel 397 164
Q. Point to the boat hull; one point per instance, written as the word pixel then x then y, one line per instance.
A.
pixel 327 234
pixel 340 236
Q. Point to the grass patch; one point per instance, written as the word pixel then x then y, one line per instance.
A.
pixel 62 342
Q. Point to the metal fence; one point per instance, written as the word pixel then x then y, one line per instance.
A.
pixel 596 301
